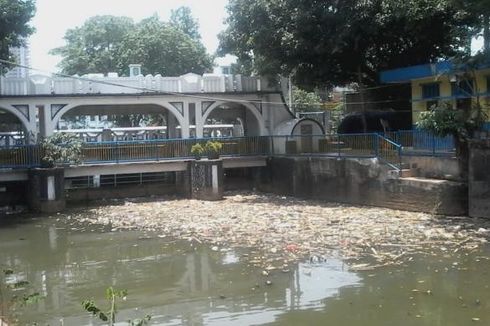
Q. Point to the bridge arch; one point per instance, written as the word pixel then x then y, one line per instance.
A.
pixel 247 105
pixel 163 105
pixel 22 118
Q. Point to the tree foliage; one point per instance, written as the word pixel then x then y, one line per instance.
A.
pixel 109 44
pixel 445 120
pixel 337 42
pixel 14 18
pixel 480 10
pixel 95 46
pixel 182 19
pixel 304 101
pixel 163 49
pixel 60 148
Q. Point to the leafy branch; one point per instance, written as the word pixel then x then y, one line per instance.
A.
pixel 112 296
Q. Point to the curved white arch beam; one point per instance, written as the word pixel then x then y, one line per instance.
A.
pixel 249 106
pixel 164 105
pixel 25 122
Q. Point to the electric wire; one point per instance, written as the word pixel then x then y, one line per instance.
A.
pixel 201 97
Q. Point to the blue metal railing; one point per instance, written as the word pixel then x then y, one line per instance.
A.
pixel 389 148
pixel 389 152
pixel 422 143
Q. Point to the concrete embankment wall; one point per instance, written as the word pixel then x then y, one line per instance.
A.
pixel 363 182
pixel 479 179
pixel 350 181
pixel 442 167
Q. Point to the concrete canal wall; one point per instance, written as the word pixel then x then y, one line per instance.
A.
pixel 363 182
pixel 350 181
pixel 479 179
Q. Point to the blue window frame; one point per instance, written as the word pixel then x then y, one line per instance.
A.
pixel 430 90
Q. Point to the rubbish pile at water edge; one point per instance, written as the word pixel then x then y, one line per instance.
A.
pixel 286 229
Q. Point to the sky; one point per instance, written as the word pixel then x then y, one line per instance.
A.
pixel 54 17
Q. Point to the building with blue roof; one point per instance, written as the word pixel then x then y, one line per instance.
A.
pixel 443 81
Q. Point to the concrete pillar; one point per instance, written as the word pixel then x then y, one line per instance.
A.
pixel 171 126
pixel 199 120
pixel 46 190
pixel 185 130
pixel 207 179
pixel 46 127
pixel 32 131
pixel 188 119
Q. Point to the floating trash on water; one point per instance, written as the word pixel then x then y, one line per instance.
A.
pixel 283 230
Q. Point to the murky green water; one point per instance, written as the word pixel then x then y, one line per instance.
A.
pixel 193 285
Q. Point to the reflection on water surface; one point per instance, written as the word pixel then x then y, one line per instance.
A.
pixel 181 283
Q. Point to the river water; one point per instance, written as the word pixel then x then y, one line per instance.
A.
pixel 182 283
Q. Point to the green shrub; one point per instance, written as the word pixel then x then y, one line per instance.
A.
pixel 60 148
pixel 213 146
pixel 197 149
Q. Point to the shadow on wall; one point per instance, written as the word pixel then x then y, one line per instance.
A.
pixel 376 121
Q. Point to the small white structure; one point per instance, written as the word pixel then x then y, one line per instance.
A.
pixel 305 132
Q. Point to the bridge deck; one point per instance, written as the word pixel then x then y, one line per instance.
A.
pixel 176 165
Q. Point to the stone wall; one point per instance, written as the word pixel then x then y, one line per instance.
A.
pixel 363 182
pixel 479 179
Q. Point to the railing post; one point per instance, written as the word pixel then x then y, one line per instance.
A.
pixel 376 144
pixel 271 145
pixel 157 154
pixel 117 152
pixel 400 157
pixel 338 145
pixel 433 145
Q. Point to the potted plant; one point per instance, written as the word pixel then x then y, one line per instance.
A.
pixel 197 150
pixel 213 148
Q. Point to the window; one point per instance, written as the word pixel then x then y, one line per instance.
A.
pixel 430 90
pixel 463 88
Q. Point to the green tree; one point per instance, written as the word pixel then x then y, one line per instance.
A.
pixel 106 43
pixel 337 42
pixel 162 48
pixel 95 46
pixel 304 101
pixel 14 18
pixel 480 10
pixel 182 19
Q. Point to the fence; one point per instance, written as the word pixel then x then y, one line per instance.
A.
pixel 340 145
pixel 388 148
pixel 421 142
pixel 22 156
